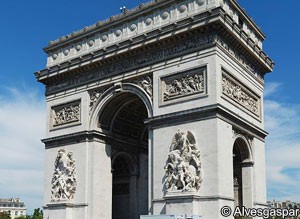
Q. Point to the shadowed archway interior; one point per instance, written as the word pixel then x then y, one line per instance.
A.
pixel 123 122
pixel 241 155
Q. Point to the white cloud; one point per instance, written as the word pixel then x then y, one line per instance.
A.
pixel 271 88
pixel 22 125
pixel 282 148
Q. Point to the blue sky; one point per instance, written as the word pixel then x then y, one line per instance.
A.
pixel 27 26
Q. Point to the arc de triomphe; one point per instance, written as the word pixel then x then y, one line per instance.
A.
pixel 158 110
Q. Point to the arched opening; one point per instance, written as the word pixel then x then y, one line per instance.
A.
pixel 122 121
pixel 121 188
pixel 242 173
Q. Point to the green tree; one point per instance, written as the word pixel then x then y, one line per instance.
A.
pixel 21 217
pixel 4 215
pixel 37 214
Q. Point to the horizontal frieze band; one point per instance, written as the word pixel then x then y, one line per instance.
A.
pixel 209 112
pixel 137 61
pixel 203 113
pixel 93 136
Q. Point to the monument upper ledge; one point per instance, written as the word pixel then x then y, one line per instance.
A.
pixel 142 8
pixel 140 20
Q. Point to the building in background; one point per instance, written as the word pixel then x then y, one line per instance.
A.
pixel 14 206
pixel 283 204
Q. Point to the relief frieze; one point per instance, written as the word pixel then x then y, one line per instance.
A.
pixel 183 84
pixel 65 114
pixel 240 94
pixel 146 58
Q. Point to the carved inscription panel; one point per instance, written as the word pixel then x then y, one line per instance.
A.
pixel 240 94
pixel 65 114
pixel 188 84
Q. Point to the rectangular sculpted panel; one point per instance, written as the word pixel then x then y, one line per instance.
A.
pixel 183 85
pixel 233 90
pixel 65 114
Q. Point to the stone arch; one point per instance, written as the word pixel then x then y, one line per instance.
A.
pixel 111 93
pixel 242 171
pixel 119 115
pixel 129 160
pixel 243 145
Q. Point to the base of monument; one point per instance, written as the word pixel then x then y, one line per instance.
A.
pixel 170 217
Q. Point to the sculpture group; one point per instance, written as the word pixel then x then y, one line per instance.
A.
pixel 64 177
pixel 185 85
pixel 183 169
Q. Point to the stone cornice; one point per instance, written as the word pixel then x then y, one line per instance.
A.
pixel 153 21
pixel 207 112
pixel 99 60
pixel 108 23
pixel 141 10
pixel 247 18
pixel 92 136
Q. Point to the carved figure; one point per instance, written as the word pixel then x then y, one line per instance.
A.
pixel 181 86
pixel 66 114
pixel 64 177
pixel 94 97
pixel 183 168
pixel 239 94
pixel 146 84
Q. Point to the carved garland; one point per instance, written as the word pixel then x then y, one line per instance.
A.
pixel 64 177
pixel 183 168
pixel 240 94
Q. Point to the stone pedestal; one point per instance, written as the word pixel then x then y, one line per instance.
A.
pixel 63 210
pixel 182 203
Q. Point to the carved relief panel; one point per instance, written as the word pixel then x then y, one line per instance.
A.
pixel 183 168
pixel 64 177
pixel 65 114
pixel 183 85
pixel 237 93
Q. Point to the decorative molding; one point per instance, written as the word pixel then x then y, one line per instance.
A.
pixel 64 177
pixel 204 113
pixel 106 33
pixel 240 94
pixel 183 168
pixel 142 59
pixel 183 84
pixel 238 56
